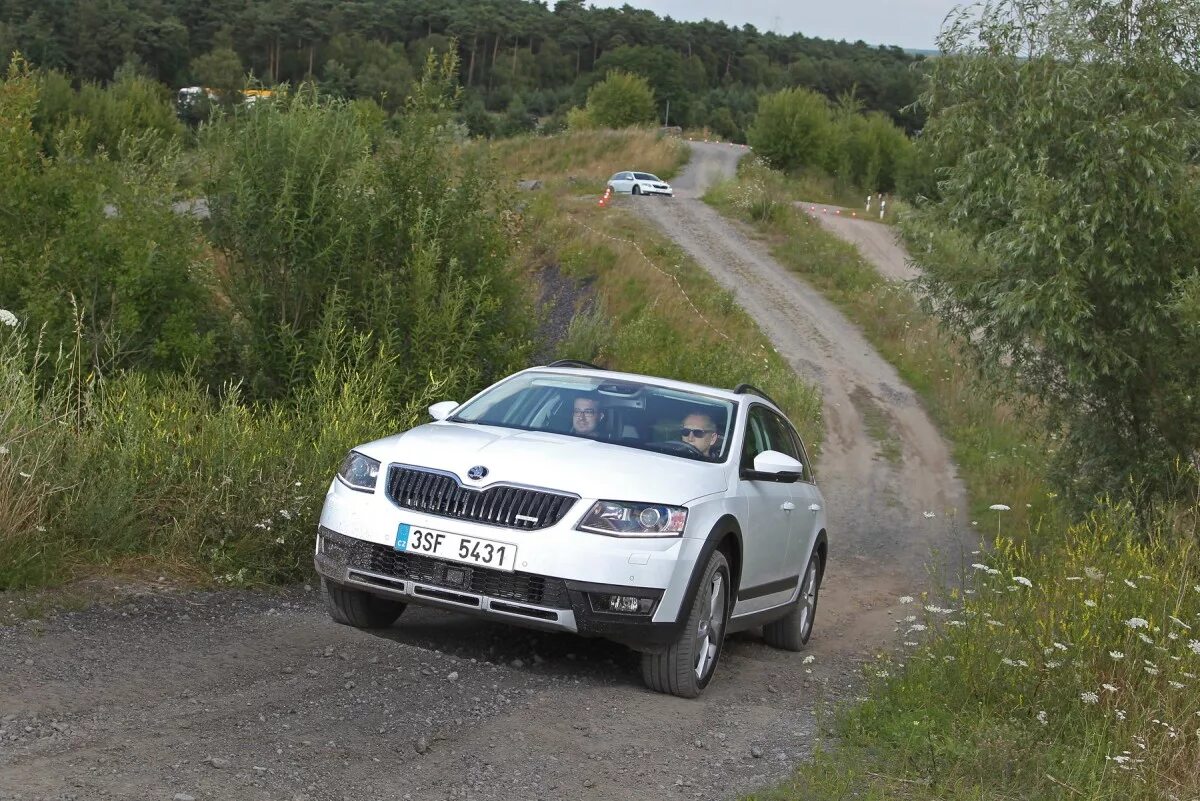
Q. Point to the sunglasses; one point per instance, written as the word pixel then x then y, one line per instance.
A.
pixel 694 432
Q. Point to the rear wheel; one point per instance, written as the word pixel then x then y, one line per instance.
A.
pixel 687 665
pixel 791 633
pixel 637 190
pixel 360 609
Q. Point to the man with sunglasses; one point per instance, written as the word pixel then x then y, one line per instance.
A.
pixel 586 417
pixel 699 430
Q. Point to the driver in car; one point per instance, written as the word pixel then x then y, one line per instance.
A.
pixel 586 417
pixel 700 431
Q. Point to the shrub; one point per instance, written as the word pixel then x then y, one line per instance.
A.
pixel 793 129
pixel 622 99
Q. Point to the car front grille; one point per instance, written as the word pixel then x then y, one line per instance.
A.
pixel 523 587
pixel 442 495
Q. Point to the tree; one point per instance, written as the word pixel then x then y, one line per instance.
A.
pixel 220 69
pixel 1062 133
pixel 792 129
pixel 620 100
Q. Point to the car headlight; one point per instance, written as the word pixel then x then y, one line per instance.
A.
pixel 359 472
pixel 628 519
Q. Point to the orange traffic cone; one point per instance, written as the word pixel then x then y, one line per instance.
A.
pixel 606 196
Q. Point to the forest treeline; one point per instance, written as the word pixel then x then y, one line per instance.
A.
pixel 519 62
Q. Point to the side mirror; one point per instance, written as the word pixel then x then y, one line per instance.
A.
pixel 776 466
pixel 442 409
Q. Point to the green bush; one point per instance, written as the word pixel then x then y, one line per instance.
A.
pixel 95 238
pixel 622 99
pixel 793 129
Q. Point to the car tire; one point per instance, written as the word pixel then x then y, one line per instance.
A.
pixel 359 609
pixel 791 632
pixel 686 666
pixel 637 190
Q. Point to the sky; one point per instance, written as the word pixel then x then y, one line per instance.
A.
pixel 905 23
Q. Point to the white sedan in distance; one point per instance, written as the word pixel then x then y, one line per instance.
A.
pixel 655 513
pixel 639 183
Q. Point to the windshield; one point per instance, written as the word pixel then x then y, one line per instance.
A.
pixel 645 176
pixel 627 413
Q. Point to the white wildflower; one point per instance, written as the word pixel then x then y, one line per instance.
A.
pixel 948 658
pixel 1137 623
pixel 1153 671
pixel 1109 687
pixel 1060 646
pixel 1120 713
pixel 979 566
pixel 911 643
pixel 297 484
pixel 1009 662
pixel 3 450
pixel 1093 573
pixel 1052 664
pixel 1120 760
pixel 1144 638
pixel 1116 654
pixel 1041 716
pixel 917 627
pixel 1023 580
pixel 999 507
pixel 1074 578
pixel 285 514
pixel 1089 697
pixel 906 599
pixel 279 540
pixel 8 318
pixel 26 475
pixel 808 660
pixel 1129 583
pixel 1178 685
pixel 1089 602
pixel 929 515
pixel 955 623
pixel 1172 635
pixel 910 619
pixel 1195 646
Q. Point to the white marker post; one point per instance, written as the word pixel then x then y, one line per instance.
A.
pixel 868 202
pixel 882 204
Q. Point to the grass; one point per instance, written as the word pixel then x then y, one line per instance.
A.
pixel 583 161
pixel 1067 666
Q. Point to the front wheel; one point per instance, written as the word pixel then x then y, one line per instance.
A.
pixel 687 665
pixel 637 190
pixel 791 633
pixel 360 609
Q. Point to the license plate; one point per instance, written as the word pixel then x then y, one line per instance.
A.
pixel 456 547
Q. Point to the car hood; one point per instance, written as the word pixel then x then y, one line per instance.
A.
pixel 587 468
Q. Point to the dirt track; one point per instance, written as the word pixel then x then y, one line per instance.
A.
pixel 167 694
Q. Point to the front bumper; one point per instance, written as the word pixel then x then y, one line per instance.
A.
pixel 526 599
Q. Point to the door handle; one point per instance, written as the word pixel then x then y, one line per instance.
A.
pixel 787 506
pixel 814 507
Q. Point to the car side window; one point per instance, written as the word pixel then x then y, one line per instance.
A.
pixel 779 434
pixel 643 176
pixel 803 457
pixel 756 437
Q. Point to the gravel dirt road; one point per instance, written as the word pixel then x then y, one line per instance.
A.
pixel 163 693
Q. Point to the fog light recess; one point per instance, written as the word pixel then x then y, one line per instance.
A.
pixel 625 604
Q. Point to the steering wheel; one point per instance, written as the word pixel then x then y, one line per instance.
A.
pixel 679 446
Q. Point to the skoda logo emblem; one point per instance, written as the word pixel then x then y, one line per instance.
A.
pixel 477 472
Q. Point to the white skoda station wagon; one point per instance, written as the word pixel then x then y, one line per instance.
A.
pixel 659 514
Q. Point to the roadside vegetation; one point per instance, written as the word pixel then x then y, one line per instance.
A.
pixel 177 392
pixel 1066 664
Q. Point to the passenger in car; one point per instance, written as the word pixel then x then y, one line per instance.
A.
pixel 700 430
pixel 587 417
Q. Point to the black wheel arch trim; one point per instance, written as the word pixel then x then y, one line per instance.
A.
pixel 727 526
